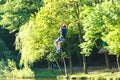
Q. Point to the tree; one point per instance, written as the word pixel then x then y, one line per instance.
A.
pixel 45 23
pixel 15 13
pixel 112 25
pixel 40 31
pixel 100 23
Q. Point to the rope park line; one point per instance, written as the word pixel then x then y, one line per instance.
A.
pixel 62 55
pixel 63 31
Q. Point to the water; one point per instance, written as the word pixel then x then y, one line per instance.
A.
pixel 29 79
pixel 45 79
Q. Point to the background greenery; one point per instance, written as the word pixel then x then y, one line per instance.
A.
pixel 29 28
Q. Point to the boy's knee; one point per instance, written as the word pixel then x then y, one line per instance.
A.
pixel 59 43
pixel 55 42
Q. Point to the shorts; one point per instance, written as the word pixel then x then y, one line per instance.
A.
pixel 60 39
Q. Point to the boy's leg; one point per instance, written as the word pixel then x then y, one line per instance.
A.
pixel 59 44
pixel 59 47
pixel 56 43
pixel 60 41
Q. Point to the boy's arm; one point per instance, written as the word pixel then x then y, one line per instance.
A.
pixel 59 30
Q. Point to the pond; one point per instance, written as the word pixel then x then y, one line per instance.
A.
pixel 29 79
pixel 45 79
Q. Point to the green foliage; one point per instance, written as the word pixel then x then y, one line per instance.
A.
pixel 23 73
pixel 17 13
pixel 101 20
pixel 86 48
pixel 3 48
pixel 2 1
pixel 113 41
pixel 46 73
pixel 38 26
pixel 2 67
pixel 111 36
pixel 30 44
pixel 4 51
pixel 6 67
pixel 35 38
pixel 51 57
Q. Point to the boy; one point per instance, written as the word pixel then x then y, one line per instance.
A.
pixel 63 32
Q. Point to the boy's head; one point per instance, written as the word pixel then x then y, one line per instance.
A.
pixel 64 25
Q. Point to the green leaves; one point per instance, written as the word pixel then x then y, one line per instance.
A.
pixel 38 26
pixel 86 48
pixel 35 39
pixel 112 24
pixel 113 40
pixel 17 12
pixel 101 23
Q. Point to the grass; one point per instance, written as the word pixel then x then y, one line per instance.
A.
pixel 81 76
pixel 45 73
pixel 104 74
pixel 93 74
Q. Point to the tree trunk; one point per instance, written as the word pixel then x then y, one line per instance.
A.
pixel 71 67
pixel 65 68
pixel 70 60
pixel 49 66
pixel 58 65
pixel 83 56
pixel 80 32
pixel 107 61
pixel 118 64
pixel 84 64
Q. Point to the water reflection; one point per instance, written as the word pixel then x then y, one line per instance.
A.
pixel 29 79
pixel 45 79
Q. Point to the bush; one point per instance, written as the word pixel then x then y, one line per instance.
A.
pixel 8 69
pixel 23 73
pixel 4 69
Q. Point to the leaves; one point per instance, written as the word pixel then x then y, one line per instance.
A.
pixel 102 23
pixel 17 12
pixel 35 38
pixel 38 26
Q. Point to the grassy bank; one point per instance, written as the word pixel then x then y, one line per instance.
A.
pixel 94 73
pixel 45 73
pixel 104 74
pixel 90 77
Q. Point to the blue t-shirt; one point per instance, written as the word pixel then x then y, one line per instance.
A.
pixel 63 31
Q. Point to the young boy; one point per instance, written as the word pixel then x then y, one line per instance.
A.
pixel 63 32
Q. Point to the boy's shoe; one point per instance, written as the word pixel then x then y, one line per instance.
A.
pixel 58 51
